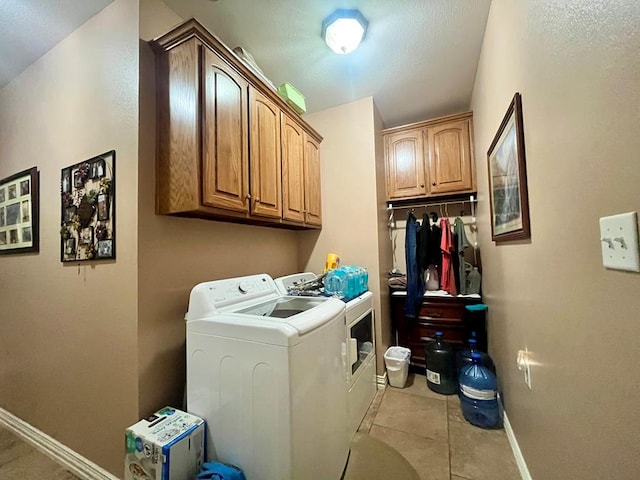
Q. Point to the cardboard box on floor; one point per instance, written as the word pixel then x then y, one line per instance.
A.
pixel 168 445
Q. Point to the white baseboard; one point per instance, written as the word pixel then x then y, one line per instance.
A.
pixel 522 465
pixel 381 381
pixel 52 448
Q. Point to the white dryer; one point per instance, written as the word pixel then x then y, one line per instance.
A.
pixel 358 345
pixel 266 372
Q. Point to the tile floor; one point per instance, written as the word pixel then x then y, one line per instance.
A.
pixel 428 429
pixel 20 461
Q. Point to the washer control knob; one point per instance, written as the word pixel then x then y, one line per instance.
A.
pixel 244 287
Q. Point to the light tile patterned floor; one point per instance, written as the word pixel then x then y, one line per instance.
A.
pixel 429 430
pixel 20 461
pixel 426 428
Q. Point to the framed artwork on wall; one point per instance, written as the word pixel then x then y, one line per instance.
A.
pixel 19 213
pixel 88 209
pixel 509 198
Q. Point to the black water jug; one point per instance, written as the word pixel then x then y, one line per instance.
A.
pixel 441 366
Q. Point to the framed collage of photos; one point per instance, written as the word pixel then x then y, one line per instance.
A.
pixel 88 209
pixel 19 213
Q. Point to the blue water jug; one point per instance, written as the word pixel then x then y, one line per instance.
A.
pixel 479 395
pixel 464 357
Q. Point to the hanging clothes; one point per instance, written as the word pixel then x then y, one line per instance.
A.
pixel 455 261
pixel 424 243
pixel 434 255
pixel 415 285
pixel 461 244
pixel 447 279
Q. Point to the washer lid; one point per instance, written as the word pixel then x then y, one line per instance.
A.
pixel 302 313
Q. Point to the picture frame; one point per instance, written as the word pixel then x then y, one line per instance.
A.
pixel 85 236
pixel 508 193
pixel 105 248
pixel 19 213
pixel 66 180
pixel 87 206
pixel 103 207
pixel 97 169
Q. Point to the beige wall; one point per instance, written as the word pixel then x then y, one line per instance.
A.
pixel 384 333
pixel 577 68
pixel 177 253
pixel 68 332
pixel 349 199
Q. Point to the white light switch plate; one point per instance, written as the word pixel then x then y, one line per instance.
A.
pixel 619 241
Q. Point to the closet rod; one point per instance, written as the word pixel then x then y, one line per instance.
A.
pixel 471 200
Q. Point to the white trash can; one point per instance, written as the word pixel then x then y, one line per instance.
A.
pixel 396 359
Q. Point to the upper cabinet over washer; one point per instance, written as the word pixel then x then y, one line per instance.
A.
pixel 227 146
pixel 430 158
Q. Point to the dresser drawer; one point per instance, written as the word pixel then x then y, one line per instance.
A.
pixel 441 312
pixel 425 332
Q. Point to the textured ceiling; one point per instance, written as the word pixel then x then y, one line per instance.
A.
pixel 418 59
pixel 30 28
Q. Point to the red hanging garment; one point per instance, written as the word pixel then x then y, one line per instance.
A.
pixel 447 279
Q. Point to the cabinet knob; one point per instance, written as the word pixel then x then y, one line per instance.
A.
pixel 248 196
pixel 257 200
pixel 433 184
pixel 422 185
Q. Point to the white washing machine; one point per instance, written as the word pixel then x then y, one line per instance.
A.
pixel 266 372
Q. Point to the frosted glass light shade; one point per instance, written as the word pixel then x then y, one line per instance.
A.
pixel 343 30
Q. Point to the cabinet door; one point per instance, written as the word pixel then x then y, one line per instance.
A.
pixel 405 164
pixel 265 158
pixel 225 162
pixel 450 168
pixel 312 190
pixel 292 170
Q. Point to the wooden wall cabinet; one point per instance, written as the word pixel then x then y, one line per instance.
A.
pixel 436 314
pixel 301 181
pixel 229 148
pixel 431 158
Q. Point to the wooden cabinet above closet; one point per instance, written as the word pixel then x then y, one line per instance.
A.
pixel 225 148
pixel 431 158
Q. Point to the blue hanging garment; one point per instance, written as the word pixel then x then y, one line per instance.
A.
pixel 220 471
pixel 415 284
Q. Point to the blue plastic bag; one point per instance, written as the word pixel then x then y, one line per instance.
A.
pixel 220 471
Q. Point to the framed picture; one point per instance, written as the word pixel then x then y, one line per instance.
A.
pixel 19 215
pixel 105 249
pixel 509 198
pixel 87 205
pixel 85 236
pixel 103 207
pixel 66 180
pixel 70 213
pixel 78 179
pixel 97 169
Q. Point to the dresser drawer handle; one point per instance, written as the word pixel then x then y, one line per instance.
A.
pixel 434 315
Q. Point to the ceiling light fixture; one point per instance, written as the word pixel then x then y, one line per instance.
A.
pixel 343 30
